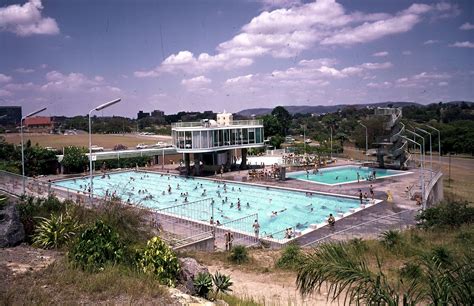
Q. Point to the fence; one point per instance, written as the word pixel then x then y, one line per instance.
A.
pixel 372 228
pixel 241 229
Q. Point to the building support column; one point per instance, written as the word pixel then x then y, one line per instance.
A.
pixel 187 163
pixel 243 153
pixel 197 163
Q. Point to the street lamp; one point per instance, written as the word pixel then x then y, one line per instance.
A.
pixel 366 142
pixel 431 150
pixel 439 143
pixel 98 108
pixel 22 143
pixel 331 143
pixel 422 179
pixel 422 152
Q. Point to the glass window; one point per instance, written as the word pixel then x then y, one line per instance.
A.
pixel 251 135
pixel 258 134
pixel 245 136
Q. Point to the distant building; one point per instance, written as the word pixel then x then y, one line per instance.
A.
pixel 142 115
pixel 38 124
pixel 157 113
pixel 10 115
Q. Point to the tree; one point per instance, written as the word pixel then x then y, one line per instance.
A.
pixel 74 159
pixel 283 117
pixel 270 125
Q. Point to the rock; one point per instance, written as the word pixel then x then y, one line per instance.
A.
pixel 11 229
pixel 189 269
pixel 186 299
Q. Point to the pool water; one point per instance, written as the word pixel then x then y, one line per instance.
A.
pixel 343 174
pixel 295 208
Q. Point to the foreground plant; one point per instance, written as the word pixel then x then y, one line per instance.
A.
pixel 97 246
pixel 222 283
pixel 239 254
pixel 55 232
pixel 428 280
pixel 159 260
pixel 203 284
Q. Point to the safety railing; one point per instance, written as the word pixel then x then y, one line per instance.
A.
pixel 372 228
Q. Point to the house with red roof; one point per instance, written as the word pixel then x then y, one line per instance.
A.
pixel 39 124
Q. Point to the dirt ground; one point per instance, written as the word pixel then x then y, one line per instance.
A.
pixel 108 141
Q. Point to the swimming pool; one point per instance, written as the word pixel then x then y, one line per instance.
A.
pixel 296 209
pixel 343 174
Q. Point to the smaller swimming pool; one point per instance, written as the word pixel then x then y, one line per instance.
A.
pixel 344 175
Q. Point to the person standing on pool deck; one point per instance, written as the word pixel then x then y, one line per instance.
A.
pixel 360 196
pixel 371 190
pixel 256 228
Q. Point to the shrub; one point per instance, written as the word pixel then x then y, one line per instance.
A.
pixel 54 232
pixel 239 254
pixel 97 246
pixel 222 283
pixel 159 260
pixel 410 271
pixel 391 239
pixel 203 284
pixel 447 214
pixel 290 257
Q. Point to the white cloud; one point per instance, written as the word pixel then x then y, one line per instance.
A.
pixel 75 82
pixel 443 84
pixel 240 79
pixel 287 31
pixel 380 54
pixel 24 70
pixel 431 42
pixel 5 78
pixel 5 93
pixel 379 85
pixel 406 52
pixel 463 44
pixel 197 84
pixel 432 76
pixel 26 19
pixel 467 26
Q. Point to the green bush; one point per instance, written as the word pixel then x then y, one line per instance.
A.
pixel 222 283
pixel 290 257
pixel 447 214
pixel 97 246
pixel 239 254
pixel 159 260
pixel 391 239
pixel 203 284
pixel 31 208
pixel 54 232
pixel 410 271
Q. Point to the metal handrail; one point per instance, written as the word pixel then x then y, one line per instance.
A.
pixel 208 125
pixel 356 226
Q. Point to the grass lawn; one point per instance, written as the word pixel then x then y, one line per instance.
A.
pixel 108 141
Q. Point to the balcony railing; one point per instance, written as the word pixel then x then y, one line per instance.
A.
pixel 207 124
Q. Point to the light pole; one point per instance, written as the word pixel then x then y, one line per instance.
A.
pixel 439 143
pixel 98 108
pixel 304 137
pixel 431 150
pixel 422 152
pixel 331 143
pixel 22 144
pixel 366 142
pixel 422 179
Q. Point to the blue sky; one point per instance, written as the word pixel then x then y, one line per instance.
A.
pixel 229 55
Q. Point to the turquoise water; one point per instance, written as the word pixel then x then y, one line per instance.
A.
pixel 341 175
pixel 293 206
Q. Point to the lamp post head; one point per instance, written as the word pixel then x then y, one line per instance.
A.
pixel 105 105
pixel 34 113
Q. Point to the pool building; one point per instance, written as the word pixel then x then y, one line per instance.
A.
pixel 213 144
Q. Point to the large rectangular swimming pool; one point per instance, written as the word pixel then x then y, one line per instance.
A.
pixel 344 174
pixel 296 209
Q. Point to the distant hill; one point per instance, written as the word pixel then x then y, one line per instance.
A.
pixel 320 109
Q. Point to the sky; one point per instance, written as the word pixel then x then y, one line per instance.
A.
pixel 197 55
